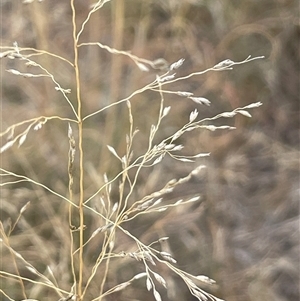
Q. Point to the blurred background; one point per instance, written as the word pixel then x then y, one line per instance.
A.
pixel 245 232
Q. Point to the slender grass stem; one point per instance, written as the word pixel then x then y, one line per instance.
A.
pixel 80 148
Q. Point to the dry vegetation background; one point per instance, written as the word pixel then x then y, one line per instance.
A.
pixel 245 232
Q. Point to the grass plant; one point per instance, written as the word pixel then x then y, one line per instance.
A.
pixel 90 222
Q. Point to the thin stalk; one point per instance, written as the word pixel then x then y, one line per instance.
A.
pixel 6 241
pixel 80 149
pixel 105 274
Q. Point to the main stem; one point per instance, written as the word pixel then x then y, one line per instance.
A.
pixel 80 148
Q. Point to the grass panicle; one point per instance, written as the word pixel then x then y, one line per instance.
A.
pixel 97 221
